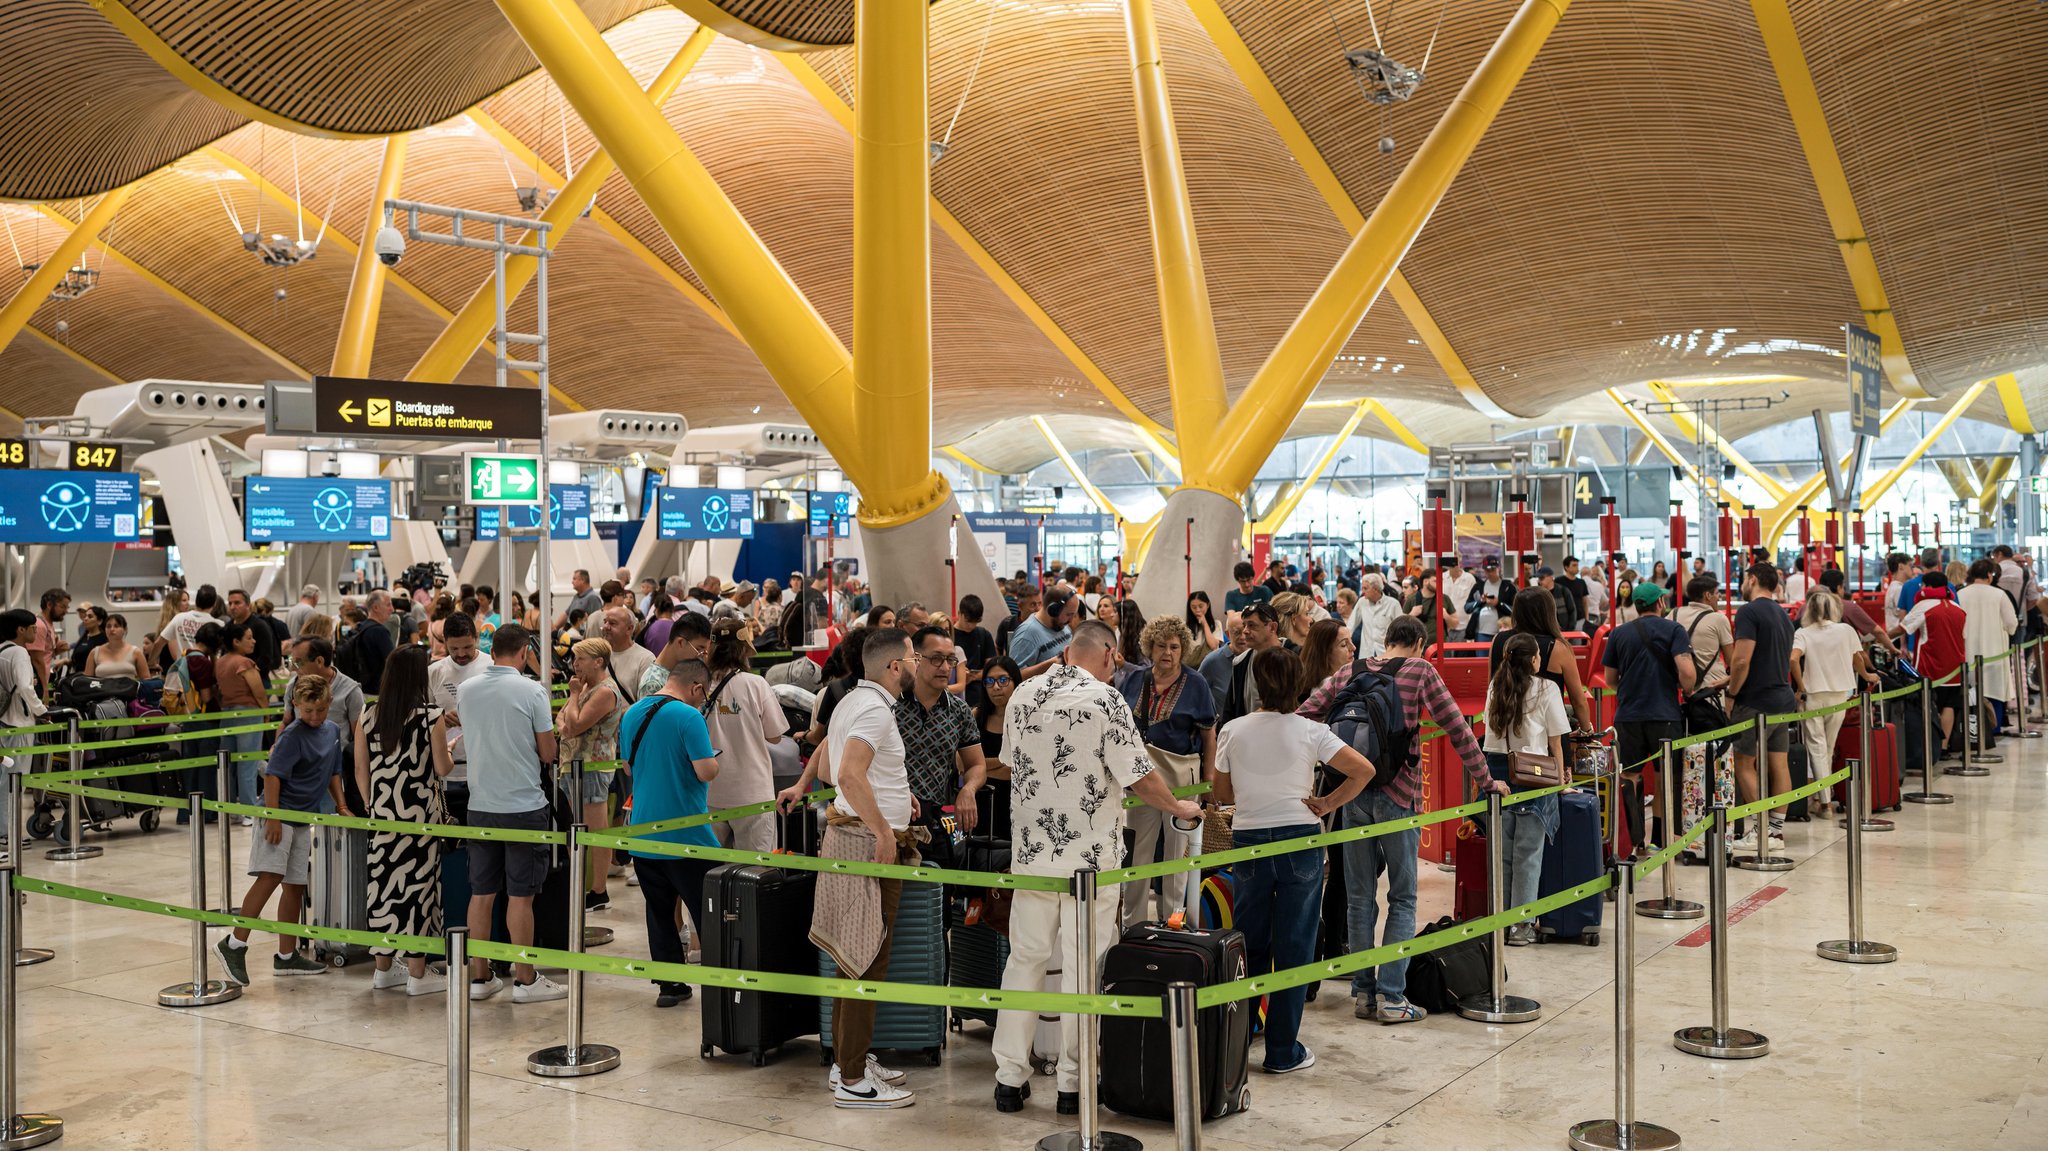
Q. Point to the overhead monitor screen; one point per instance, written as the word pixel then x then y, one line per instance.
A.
pixel 568 515
pixel 51 507
pixel 316 510
pixel 831 514
pixel 704 514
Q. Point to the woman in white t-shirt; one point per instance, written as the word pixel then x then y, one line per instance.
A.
pixel 1266 765
pixel 1523 713
pixel 744 716
pixel 1827 664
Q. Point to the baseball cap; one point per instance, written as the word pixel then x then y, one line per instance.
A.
pixel 1491 562
pixel 1646 594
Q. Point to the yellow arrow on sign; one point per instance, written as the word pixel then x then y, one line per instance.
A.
pixel 349 411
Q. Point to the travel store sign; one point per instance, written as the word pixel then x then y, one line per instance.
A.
pixel 369 409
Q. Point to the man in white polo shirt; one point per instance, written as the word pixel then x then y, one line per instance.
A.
pixel 869 821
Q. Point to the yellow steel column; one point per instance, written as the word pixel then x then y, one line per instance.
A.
pixel 365 301
pixel 792 340
pixel 36 289
pixel 1884 482
pixel 472 325
pixel 892 275
pixel 1276 517
pixel 1194 362
pixel 1268 404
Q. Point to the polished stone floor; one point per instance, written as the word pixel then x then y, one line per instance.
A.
pixel 1947 1048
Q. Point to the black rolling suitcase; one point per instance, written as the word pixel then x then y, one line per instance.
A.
pixel 757 919
pixel 1137 1072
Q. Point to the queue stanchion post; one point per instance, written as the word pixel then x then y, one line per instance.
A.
pixel 1089 1136
pixel 1495 1005
pixel 1718 1040
pixel 2016 667
pixel 1623 1132
pixel 1969 767
pixel 1763 860
pixel 201 992
pixel 1856 949
pixel 458 1038
pixel 224 788
pixel 1187 1067
pixel 74 806
pixel 1927 794
pixel 575 1058
pixel 18 1130
pixel 1668 905
pixel 1980 713
pixel 17 802
pixel 592 936
pixel 2041 659
pixel 1864 714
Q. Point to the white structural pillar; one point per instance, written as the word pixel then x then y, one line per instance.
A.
pixel 1217 536
pixel 202 510
pixel 906 562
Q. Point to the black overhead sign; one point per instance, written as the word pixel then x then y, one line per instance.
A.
pixel 399 410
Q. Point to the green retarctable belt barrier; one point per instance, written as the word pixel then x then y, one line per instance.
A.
pixel 417 944
pixel 141 740
pixel 1793 796
pixel 320 819
pixel 47 779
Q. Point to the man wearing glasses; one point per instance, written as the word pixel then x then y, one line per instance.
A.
pixel 1261 633
pixel 941 741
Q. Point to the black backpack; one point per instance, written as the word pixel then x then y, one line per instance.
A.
pixel 1367 714
pixel 348 655
pixel 1438 979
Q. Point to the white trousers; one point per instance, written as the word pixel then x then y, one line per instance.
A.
pixel 749 833
pixel 1037 920
pixel 1178 892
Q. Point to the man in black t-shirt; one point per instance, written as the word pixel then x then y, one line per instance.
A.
pixel 1760 683
pixel 1652 662
pixel 1575 587
pixel 975 646
pixel 1028 600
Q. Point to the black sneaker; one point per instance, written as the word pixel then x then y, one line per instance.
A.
pixel 596 900
pixel 1069 1103
pixel 1010 1098
pixel 672 994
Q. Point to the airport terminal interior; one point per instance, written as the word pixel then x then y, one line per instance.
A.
pixel 1584 456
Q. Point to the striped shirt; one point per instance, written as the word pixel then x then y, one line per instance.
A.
pixel 1420 687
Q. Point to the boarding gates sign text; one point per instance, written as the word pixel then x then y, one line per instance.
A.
pixel 399 410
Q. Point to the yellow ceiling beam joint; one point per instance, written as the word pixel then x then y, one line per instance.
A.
pixel 1831 180
pixel 1653 437
pixel 35 290
pixel 1393 424
pixel 358 335
pixel 1276 518
pixel 1809 490
pixel 1990 496
pixel 828 99
pixel 2015 404
pixel 1052 440
pixel 1267 405
pixel 1941 426
pixel 1690 425
pixel 471 327
pixel 1194 358
pixel 954 452
pixel 180 297
pixel 1260 86
pixel 1962 479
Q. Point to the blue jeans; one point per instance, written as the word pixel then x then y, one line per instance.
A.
pixel 1278 902
pixel 248 773
pixel 1364 860
pixel 1527 826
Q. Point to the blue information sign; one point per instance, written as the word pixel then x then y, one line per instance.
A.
pixel 704 514
pixel 1866 379
pixel 52 507
pixel 831 514
pixel 315 510
pixel 568 515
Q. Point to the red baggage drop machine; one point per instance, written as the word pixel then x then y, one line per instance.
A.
pixel 1518 531
pixel 1438 545
pixel 1610 545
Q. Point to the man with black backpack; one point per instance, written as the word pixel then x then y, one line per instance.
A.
pixel 1376 706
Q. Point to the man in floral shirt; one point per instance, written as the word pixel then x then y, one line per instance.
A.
pixel 1073 747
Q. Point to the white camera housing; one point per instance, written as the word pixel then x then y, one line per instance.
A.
pixel 389 246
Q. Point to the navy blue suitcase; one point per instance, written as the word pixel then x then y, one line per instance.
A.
pixel 1570 859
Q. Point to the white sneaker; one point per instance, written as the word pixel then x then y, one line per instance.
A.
pixel 633 879
pixel 390 977
pixel 875 1070
pixel 871 1095
pixel 617 871
pixel 1776 842
pixel 246 821
pixel 541 990
pixel 486 989
pixel 432 983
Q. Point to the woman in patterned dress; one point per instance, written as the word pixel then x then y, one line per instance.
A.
pixel 401 757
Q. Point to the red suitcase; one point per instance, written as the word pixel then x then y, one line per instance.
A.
pixel 1883 769
pixel 1469 893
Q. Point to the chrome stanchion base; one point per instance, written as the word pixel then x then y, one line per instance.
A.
pixel 73 854
pixel 1988 757
pixel 30 956
pixel 1104 1141
pixel 1870 823
pixel 1607 1135
pixel 2024 733
pixel 200 995
pixel 1507 1009
pixel 1734 1043
pixel 1973 771
pixel 31 1131
pixel 1928 797
pixel 1857 951
pixel 1670 909
pixel 1765 863
pixel 556 1063
pixel 597 937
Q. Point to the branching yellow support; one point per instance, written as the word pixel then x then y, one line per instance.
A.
pixel 1276 518
pixel 36 289
pixel 1059 449
pixel 365 302
pixel 1689 424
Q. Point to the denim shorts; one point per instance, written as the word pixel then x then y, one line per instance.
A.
pixel 597 786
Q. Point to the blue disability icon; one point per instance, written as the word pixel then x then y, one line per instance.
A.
pixel 716 512
pixel 65 505
pixel 554 512
pixel 333 509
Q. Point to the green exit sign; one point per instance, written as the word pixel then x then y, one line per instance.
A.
pixel 2038 485
pixel 495 479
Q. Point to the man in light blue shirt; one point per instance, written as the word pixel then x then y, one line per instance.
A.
pixel 1039 640
pixel 509 732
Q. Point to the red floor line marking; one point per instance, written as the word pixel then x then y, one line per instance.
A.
pixel 1742 910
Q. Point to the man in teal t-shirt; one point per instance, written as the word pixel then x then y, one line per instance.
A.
pixel 672 763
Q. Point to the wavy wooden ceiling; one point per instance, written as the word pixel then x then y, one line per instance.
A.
pixel 1642 208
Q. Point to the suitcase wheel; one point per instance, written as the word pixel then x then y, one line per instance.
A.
pixel 1244 1097
pixel 932 1053
pixel 704 1052
pixel 41 824
pixel 149 819
pixel 760 1057
pixel 1590 939
pixel 338 959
